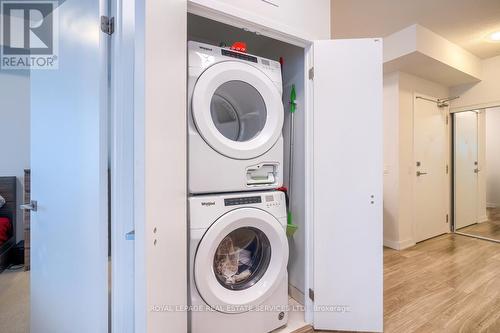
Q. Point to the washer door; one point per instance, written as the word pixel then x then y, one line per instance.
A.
pixel 237 110
pixel 241 260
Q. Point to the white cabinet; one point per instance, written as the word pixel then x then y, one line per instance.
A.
pixel 306 20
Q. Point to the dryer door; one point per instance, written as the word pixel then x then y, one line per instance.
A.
pixel 241 260
pixel 237 110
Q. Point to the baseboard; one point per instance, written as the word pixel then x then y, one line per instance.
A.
pixel 296 294
pixel 482 219
pixel 398 245
pixel 305 329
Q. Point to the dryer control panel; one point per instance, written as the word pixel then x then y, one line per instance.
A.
pixel 201 56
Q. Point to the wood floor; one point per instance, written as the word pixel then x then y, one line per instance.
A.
pixel 488 229
pixel 446 284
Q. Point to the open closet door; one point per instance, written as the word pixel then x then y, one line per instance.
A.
pixel 347 187
pixel 69 226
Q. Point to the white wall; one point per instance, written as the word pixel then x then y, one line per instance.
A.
pixel 493 156
pixel 398 154
pixel 15 131
pixel 391 158
pixel 482 214
pixel 485 92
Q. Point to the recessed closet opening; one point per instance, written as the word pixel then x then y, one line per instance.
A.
pixel 294 77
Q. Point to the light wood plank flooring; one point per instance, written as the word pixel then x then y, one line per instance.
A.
pixel 488 229
pixel 446 284
pixel 14 302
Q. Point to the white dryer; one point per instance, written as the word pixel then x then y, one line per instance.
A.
pixel 235 121
pixel 238 263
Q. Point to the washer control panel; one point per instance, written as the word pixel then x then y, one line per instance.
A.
pixel 242 201
pixel 205 209
pixel 271 201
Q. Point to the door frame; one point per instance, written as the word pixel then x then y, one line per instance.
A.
pixel 453 168
pixel 448 192
pixel 244 21
pixel 483 106
pixel 122 167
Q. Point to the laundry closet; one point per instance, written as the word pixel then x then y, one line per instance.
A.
pixel 214 33
pixel 335 254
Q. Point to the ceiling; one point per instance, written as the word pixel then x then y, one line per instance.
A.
pixel 466 23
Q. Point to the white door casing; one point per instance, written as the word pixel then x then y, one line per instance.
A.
pixel 160 191
pixel 466 168
pixel 430 152
pixel 69 162
pixel 347 185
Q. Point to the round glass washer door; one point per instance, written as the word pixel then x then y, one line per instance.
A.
pixel 241 260
pixel 237 110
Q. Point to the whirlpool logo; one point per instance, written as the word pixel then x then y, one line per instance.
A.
pixel 208 203
pixel 29 34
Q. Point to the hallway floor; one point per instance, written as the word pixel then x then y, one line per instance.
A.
pixel 14 301
pixel 450 283
pixel 488 229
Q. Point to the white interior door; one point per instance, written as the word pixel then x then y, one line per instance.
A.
pixel 429 135
pixel 466 168
pixel 69 238
pixel 347 188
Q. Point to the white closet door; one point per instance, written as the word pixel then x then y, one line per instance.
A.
pixel 348 171
pixel 69 230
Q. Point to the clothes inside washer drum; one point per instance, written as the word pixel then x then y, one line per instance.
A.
pixel 242 258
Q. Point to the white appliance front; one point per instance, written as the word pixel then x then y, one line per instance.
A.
pixel 235 120
pixel 238 262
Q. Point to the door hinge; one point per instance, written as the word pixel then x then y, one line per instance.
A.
pixel 311 294
pixel 107 24
pixel 447 218
pixel 311 73
pixel 447 169
pixel 447 119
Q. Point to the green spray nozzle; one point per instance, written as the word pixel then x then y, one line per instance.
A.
pixel 293 99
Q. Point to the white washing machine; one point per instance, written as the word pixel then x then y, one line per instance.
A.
pixel 238 263
pixel 235 121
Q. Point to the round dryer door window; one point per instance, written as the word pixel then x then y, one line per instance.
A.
pixel 241 260
pixel 237 109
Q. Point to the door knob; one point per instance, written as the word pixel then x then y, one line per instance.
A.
pixel 32 206
pixel 419 173
pixel 476 170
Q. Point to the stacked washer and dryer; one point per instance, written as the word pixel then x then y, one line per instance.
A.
pixel 237 220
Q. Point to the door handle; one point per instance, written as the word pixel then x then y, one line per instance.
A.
pixel 130 235
pixel 419 173
pixel 32 206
